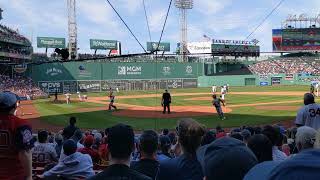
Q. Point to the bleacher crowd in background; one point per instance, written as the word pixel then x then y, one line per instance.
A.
pixel 287 66
pixel 22 86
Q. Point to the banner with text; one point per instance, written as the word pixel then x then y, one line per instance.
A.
pixel 153 46
pixel 51 42
pixel 103 44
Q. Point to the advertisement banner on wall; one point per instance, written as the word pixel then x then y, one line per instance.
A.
pixel 264 83
pixel 199 47
pixel 289 77
pixel 89 86
pixel 51 87
pixel 174 84
pixel 70 86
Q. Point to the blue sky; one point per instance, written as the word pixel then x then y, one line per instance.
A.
pixel 218 19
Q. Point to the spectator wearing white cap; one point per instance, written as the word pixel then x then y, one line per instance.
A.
pixel 305 138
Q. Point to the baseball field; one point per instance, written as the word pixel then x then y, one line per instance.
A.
pixel 142 109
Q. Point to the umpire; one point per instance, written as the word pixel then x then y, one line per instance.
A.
pixel 166 100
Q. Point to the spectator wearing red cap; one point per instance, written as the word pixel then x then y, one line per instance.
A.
pixel 16 141
pixel 88 142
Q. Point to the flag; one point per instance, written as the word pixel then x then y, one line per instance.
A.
pixel 206 38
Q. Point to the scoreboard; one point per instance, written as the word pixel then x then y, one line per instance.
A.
pixel 301 39
pixel 235 50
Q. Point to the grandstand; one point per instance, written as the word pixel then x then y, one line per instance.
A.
pixel 14 47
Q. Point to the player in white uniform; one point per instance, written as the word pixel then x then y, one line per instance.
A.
pixel 317 89
pixel 223 92
pixel 68 97
pixel 309 115
pixel 214 89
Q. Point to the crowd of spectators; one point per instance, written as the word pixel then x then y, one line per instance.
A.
pixel 189 152
pixel 287 66
pixel 22 86
pixel 8 34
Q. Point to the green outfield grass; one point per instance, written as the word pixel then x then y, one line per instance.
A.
pixel 58 114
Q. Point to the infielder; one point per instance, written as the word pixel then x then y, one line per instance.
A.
pixel 216 102
pixel 223 92
pixel 68 97
pixel 214 89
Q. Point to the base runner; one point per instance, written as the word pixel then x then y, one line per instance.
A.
pixel 216 102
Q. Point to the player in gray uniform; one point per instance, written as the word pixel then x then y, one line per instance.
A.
pixel 309 115
pixel 216 102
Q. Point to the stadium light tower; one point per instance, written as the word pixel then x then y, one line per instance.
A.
pixel 72 29
pixel 183 5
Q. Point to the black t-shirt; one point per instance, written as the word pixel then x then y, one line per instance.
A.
pixel 69 131
pixel 166 98
pixel 120 172
pixel 147 167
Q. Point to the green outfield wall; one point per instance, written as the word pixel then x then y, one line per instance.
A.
pixel 100 76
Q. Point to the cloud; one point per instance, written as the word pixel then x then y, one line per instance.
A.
pixel 156 19
pixel 209 7
pixel 131 6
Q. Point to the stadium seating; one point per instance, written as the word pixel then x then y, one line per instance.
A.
pixel 288 66
pixel 22 86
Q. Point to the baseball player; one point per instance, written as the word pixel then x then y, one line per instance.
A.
pixel 68 97
pixel 214 89
pixel 312 89
pixel 317 88
pixel 309 115
pixel 223 92
pixel 111 97
pixel 79 96
pixel 216 102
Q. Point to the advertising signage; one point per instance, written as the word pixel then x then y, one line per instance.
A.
pixel 51 42
pixel 152 46
pixel 103 44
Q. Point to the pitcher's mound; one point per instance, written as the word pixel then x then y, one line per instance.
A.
pixel 176 112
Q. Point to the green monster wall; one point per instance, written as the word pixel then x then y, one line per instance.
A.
pixel 111 71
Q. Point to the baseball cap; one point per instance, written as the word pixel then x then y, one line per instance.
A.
pixel 8 99
pixel 226 158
